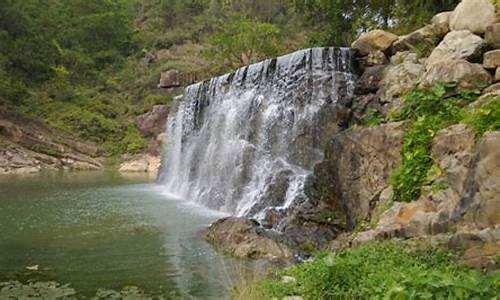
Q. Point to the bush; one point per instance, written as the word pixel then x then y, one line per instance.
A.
pixel 427 110
pixel 383 270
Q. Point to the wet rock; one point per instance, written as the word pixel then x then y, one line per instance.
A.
pixel 356 169
pixel 376 40
pixel 492 59
pixel 142 163
pixel 467 75
pixel 400 76
pixel 458 45
pixel 429 35
pixel 244 238
pixel 473 15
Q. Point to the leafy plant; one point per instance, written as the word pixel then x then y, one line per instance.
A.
pixel 485 118
pixel 427 110
pixel 383 270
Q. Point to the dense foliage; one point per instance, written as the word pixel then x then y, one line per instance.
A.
pixel 80 64
pixel 382 270
pixel 428 110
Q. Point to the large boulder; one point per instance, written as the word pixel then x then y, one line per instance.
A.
pixel 357 168
pixel 492 59
pixel 467 75
pixel 442 20
pixel 170 79
pixel 244 238
pixel 482 204
pixel 141 164
pixel 473 15
pixel 492 36
pixel 154 121
pixel 376 40
pixel 404 71
pixel 428 35
pixel 461 44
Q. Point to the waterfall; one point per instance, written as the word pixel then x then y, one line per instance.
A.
pixel 246 142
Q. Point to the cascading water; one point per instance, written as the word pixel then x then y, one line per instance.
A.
pixel 245 142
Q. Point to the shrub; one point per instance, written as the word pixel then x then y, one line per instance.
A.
pixel 427 110
pixel 383 270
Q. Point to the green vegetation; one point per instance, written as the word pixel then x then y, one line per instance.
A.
pixel 372 118
pixel 484 118
pixel 80 65
pixel 427 111
pixel 383 270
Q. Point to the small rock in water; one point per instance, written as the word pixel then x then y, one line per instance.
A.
pixel 33 268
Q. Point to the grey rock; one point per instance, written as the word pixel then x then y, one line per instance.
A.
pixel 473 15
pixel 458 45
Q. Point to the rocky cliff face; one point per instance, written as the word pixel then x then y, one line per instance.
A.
pixel 28 146
pixel 350 189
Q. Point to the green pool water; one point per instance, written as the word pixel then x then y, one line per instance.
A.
pixel 103 230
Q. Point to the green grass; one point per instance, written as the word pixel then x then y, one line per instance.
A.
pixel 383 270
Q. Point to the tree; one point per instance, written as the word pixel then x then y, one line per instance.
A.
pixel 242 42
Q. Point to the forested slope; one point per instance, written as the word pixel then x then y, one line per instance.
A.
pixel 89 67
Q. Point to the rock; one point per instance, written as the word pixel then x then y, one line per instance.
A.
pixel 473 15
pixel 141 164
pixel 370 80
pixel 482 203
pixel 467 75
pixel 428 35
pixel 376 40
pixel 492 36
pixel 374 59
pixel 453 149
pixel 29 146
pixel 364 104
pixel 400 76
pixel 458 45
pixel 154 121
pixel 170 79
pixel 482 257
pixel 492 59
pixel 356 170
pixel 244 238
pixel 36 290
pixel 442 20
pixel 494 88
pixel 497 75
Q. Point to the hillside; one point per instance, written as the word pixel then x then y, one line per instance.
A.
pixel 90 68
